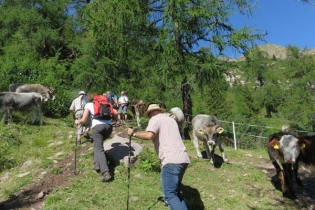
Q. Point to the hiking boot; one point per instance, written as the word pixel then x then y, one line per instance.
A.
pixel 106 177
pixel 86 135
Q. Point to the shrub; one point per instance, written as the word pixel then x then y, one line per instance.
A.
pixel 148 161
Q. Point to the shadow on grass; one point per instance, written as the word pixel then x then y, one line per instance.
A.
pixel 192 198
pixel 20 200
pixel 305 194
pixel 218 159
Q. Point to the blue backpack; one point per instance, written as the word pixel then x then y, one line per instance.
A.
pixel 110 99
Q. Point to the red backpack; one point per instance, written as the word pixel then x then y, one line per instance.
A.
pixel 103 110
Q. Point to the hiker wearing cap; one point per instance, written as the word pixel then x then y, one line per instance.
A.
pixel 169 147
pixel 76 110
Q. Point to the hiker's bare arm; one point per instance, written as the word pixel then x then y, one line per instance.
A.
pixel 148 135
pixel 84 118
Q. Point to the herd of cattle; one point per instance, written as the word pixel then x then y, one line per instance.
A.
pixel 24 97
pixel 286 151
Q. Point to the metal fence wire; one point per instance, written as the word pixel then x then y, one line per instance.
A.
pixel 247 136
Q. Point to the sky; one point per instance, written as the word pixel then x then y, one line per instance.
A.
pixel 288 22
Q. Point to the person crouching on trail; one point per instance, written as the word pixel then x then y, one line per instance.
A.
pixel 169 146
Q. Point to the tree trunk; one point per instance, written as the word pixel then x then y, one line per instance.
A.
pixel 187 103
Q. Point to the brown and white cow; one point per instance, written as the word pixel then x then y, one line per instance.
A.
pixel 283 150
pixel 207 129
pixel 47 93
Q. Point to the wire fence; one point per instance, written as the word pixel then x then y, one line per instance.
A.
pixel 248 136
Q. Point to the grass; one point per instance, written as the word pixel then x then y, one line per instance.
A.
pixel 237 185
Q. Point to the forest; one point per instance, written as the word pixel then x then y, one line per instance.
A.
pixel 169 51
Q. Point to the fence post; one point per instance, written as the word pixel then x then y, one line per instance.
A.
pixel 234 138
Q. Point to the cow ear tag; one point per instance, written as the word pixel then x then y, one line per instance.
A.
pixel 201 132
pixel 276 147
pixel 302 145
pixel 172 116
pixel 220 131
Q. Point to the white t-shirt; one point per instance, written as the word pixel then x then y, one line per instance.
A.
pixel 95 122
pixel 123 99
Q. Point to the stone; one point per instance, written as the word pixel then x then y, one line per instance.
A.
pixel 5 177
pixel 117 150
pixel 24 174
pixel 26 164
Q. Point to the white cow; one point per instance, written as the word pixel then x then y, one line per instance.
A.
pixel 177 114
pixel 47 93
pixel 206 128
pixel 22 102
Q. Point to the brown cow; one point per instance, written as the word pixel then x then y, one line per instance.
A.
pixel 306 158
pixel 47 93
pixel 139 110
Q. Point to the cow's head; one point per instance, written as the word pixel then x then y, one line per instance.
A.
pixel 211 132
pixel 50 94
pixel 289 146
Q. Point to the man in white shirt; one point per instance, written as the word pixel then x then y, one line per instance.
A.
pixel 123 102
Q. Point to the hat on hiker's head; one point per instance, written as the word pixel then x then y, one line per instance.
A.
pixel 153 107
pixel 81 92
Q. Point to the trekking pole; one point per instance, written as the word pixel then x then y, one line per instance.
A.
pixel 129 170
pixel 75 152
pixel 75 157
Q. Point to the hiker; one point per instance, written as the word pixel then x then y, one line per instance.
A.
pixel 76 110
pixel 101 130
pixel 123 102
pixel 169 146
pixel 113 100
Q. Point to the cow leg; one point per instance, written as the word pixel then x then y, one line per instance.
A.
pixel 182 130
pixel 288 173
pixel 210 153
pixel 10 110
pixel 222 153
pixel 284 189
pixel 40 114
pixel 138 119
pixel 4 116
pixel 34 116
pixel 296 175
pixel 196 144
